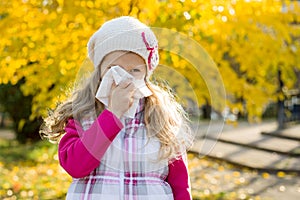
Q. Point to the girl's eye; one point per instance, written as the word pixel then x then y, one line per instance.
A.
pixel 135 70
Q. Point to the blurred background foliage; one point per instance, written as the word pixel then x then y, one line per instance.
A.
pixel 43 44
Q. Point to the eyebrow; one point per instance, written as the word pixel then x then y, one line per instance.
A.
pixel 139 66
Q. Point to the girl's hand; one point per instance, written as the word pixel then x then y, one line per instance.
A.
pixel 121 98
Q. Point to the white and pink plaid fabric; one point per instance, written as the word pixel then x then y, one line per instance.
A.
pixel 129 170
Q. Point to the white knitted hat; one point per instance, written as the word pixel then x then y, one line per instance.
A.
pixel 125 34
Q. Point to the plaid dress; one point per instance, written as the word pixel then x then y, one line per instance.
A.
pixel 129 169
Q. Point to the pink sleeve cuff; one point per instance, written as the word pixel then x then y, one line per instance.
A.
pixel 178 178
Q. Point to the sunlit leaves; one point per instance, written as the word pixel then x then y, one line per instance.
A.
pixel 249 40
pixel 45 42
pixel 31 172
pixel 254 39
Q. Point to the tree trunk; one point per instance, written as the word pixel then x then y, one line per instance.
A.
pixel 280 104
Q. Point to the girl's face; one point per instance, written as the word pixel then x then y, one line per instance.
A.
pixel 131 62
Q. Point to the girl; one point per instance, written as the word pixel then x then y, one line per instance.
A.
pixel 108 154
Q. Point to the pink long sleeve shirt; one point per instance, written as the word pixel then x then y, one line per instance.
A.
pixel 80 152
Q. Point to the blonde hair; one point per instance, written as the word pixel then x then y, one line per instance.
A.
pixel 164 117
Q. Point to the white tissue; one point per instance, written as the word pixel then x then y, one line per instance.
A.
pixel 117 74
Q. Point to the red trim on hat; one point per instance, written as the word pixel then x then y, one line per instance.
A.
pixel 151 49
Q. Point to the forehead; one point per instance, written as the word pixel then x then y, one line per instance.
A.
pixel 123 58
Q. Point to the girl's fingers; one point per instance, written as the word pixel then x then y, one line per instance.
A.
pixel 124 84
pixel 113 86
pixel 130 87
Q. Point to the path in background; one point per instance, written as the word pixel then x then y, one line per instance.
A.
pixel 204 128
pixel 244 145
pixel 7 134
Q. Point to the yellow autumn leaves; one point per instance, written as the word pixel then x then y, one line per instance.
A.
pixel 45 42
pixel 31 172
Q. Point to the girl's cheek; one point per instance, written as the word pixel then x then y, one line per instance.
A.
pixel 135 75
pixel 138 75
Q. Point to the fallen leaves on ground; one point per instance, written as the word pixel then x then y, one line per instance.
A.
pixel 213 179
pixel 32 171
